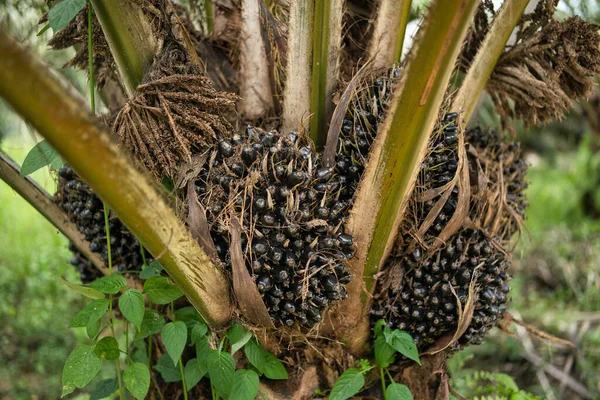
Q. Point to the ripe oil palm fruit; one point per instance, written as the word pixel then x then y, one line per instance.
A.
pixel 373 174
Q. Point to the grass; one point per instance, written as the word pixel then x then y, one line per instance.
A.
pixel 36 307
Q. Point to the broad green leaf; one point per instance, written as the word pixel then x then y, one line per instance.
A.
pixel 198 331
pixel 154 269
pixel 92 312
pixel 255 354
pixel 131 304
pixel 151 324
pixel 93 327
pixel 137 380
pixel 273 368
pixel 80 368
pixel 398 391
pixel 347 385
pixel 203 349
pixel 139 352
pixel 62 13
pixel 378 328
pixel 107 348
pixel 245 385
pixel 193 373
pixel 238 337
pixel 168 371
pixel 174 337
pixel 84 290
pixel 403 343
pixel 189 315
pixel 384 353
pixel 221 371
pixel 38 157
pixel 160 291
pixel 109 284
pixel 104 388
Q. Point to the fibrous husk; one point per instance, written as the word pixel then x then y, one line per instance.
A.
pixel 75 34
pixel 174 114
pixel 551 64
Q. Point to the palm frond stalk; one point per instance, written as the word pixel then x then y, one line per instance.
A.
pixel 30 88
pixel 395 157
pixel 490 51
pixel 129 36
pixel 327 37
pixel 388 36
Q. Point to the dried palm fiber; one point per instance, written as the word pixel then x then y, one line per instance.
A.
pixel 174 114
pixel 551 64
pixel 75 34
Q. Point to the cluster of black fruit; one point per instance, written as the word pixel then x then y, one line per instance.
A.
pixel 86 211
pixel 426 302
pixel 292 212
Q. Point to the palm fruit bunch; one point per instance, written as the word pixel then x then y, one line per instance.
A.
pixel 471 263
pixel 86 211
pixel 291 210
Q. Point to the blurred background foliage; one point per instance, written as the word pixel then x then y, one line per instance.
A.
pixel 556 285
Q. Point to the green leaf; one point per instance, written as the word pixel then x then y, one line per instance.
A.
pixel 154 269
pixel 92 312
pixel 137 380
pixel 189 315
pixel 378 328
pixel 151 324
pixel 93 327
pixel 403 343
pixel 62 13
pixel 238 337
pixel 384 353
pixel 220 371
pixel 104 388
pixel 107 348
pixel 80 368
pixel 84 290
pixel 193 373
pixel 160 291
pixel 203 349
pixel 38 157
pixel 255 354
pixel 109 284
pixel 174 337
pixel 273 368
pixel 44 29
pixel 168 371
pixel 398 391
pixel 199 329
pixel 347 385
pixel 139 352
pixel 245 385
pixel 131 304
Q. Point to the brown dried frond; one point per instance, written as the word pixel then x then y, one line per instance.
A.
pixel 75 34
pixel 174 113
pixel 551 65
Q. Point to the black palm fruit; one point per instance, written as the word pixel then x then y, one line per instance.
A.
pixel 292 212
pixel 86 211
pixel 425 303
